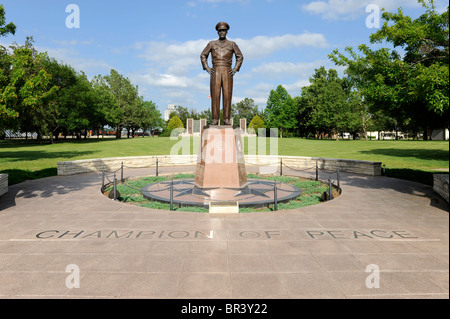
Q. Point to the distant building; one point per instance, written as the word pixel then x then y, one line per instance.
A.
pixel 171 108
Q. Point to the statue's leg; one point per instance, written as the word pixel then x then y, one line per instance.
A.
pixel 216 83
pixel 227 96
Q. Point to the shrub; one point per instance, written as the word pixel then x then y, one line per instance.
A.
pixel 255 124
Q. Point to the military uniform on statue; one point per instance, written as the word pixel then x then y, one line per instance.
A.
pixel 221 159
pixel 222 51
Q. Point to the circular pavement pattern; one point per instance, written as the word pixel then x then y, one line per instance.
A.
pixel 256 193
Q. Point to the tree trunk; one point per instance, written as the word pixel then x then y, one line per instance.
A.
pixel 118 132
pixel 364 128
pixel 425 134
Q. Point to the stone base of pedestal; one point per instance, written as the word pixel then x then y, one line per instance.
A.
pixel 221 161
pixel 224 208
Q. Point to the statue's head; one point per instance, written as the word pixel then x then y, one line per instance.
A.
pixel 222 29
pixel 222 26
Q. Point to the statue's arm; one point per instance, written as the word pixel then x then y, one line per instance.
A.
pixel 204 59
pixel 239 59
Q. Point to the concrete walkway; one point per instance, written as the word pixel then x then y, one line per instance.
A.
pixel 382 238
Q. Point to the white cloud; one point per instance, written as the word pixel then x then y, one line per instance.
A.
pixel 73 42
pixel 173 89
pixel 262 46
pixel 295 88
pixel 167 81
pixel 259 93
pixel 179 58
pixel 71 57
pixel 66 42
pixel 352 9
pixel 282 68
pixel 182 56
pixel 174 69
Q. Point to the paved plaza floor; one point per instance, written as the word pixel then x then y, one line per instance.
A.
pixel 382 238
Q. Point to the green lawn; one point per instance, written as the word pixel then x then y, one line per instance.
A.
pixel 415 160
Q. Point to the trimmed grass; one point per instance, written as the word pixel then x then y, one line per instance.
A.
pixel 411 160
pixel 416 160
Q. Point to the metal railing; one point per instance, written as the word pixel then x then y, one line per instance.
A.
pixel 329 194
pixel 331 182
pixel 114 181
pixel 122 180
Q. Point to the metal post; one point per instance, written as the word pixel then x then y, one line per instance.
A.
pixel 103 179
pixel 338 180
pixel 171 196
pixel 121 173
pixel 115 187
pixel 330 194
pixel 275 196
pixel 281 167
pixel 317 171
pixel 157 164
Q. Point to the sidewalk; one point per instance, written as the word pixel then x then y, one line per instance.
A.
pixel 399 227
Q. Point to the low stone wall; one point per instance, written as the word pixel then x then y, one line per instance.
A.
pixel 3 184
pixel 329 164
pixel 440 185
pixel 112 164
pixel 271 162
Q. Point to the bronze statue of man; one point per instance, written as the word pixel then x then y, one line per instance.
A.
pixel 222 73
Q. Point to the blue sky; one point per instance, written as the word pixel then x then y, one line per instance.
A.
pixel 157 44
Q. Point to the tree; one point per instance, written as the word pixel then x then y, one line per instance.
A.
pixel 358 118
pixel 125 97
pixel 304 119
pixel 256 123
pixel 133 117
pixel 174 124
pixel 27 92
pixel 5 29
pixel 245 109
pixel 183 113
pixel 206 114
pixel 87 105
pixel 280 111
pixel 6 111
pixel 152 118
pixel 326 101
pixel 409 89
pixel 108 112
pixel 74 101
pixel 39 94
